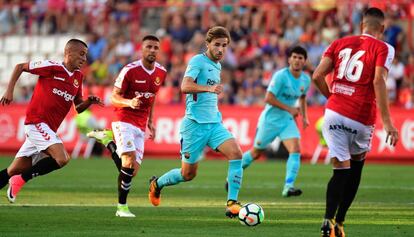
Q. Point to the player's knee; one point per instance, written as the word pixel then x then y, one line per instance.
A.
pixel 256 154
pixel 62 160
pixel 128 160
pixel 189 175
pixel 235 154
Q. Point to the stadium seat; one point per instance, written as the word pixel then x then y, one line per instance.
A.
pixel 37 57
pixel 17 58
pixel 47 44
pixel 12 44
pixel 4 61
pixel 30 44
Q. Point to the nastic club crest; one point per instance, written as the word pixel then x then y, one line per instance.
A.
pixel 76 83
pixel 157 81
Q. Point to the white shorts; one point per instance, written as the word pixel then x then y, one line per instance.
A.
pixel 38 138
pixel 344 136
pixel 129 138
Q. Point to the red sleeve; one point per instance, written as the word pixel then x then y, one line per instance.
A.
pixel 385 55
pixel 330 51
pixel 42 68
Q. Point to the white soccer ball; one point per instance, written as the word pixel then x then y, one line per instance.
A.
pixel 251 214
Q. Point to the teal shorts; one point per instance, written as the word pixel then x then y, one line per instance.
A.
pixel 266 132
pixel 196 136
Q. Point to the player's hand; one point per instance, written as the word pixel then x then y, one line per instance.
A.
pixel 392 134
pixel 135 102
pixel 217 88
pixel 95 100
pixel 152 131
pixel 7 98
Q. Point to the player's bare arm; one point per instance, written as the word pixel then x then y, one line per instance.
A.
pixel 150 124
pixel 382 102
pixel 7 97
pixel 81 105
pixel 318 77
pixel 271 99
pixel 188 86
pixel 303 107
pixel 121 102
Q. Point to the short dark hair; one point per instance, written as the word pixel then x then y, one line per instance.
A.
pixel 298 50
pixel 76 41
pixel 150 37
pixel 217 32
pixel 374 12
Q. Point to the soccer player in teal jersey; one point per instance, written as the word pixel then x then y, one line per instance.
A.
pixel 287 86
pixel 202 125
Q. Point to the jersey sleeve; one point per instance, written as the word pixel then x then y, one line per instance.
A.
pixel 193 68
pixel 330 51
pixel 275 84
pixel 385 56
pixel 42 68
pixel 121 80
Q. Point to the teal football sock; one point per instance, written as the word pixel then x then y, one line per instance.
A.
pixel 247 159
pixel 292 169
pixel 172 177
pixel 234 177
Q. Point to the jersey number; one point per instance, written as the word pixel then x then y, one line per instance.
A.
pixel 350 67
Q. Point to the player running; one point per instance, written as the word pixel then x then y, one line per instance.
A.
pixel 58 87
pixel 202 125
pixel 133 97
pixel 287 86
pixel 360 64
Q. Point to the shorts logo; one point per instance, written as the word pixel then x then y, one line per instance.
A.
pixel 76 83
pixel 187 155
pixel 259 143
pixel 342 127
pixel 157 81
pixel 129 144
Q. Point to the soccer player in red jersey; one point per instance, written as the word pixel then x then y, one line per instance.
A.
pixel 59 86
pixel 360 65
pixel 133 97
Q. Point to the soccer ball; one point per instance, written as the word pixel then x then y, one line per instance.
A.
pixel 251 214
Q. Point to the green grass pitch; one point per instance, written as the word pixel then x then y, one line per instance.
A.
pixel 80 200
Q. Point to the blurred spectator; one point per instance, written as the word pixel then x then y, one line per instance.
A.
pixel 393 33
pixel 261 33
pixel 394 80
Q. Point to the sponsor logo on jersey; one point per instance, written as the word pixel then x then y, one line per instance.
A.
pixel 157 81
pixel 144 94
pixel 64 94
pixel 76 83
pixel 211 82
pixel 140 82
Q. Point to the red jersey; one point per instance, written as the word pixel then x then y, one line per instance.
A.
pixel 354 59
pixel 133 80
pixel 54 93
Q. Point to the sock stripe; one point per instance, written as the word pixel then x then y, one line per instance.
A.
pixel 130 175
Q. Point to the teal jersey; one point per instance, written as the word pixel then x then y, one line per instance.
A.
pixel 202 107
pixel 287 89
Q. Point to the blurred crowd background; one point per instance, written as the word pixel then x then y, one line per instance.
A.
pixel 262 32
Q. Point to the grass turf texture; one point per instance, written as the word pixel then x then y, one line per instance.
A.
pixel 80 200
